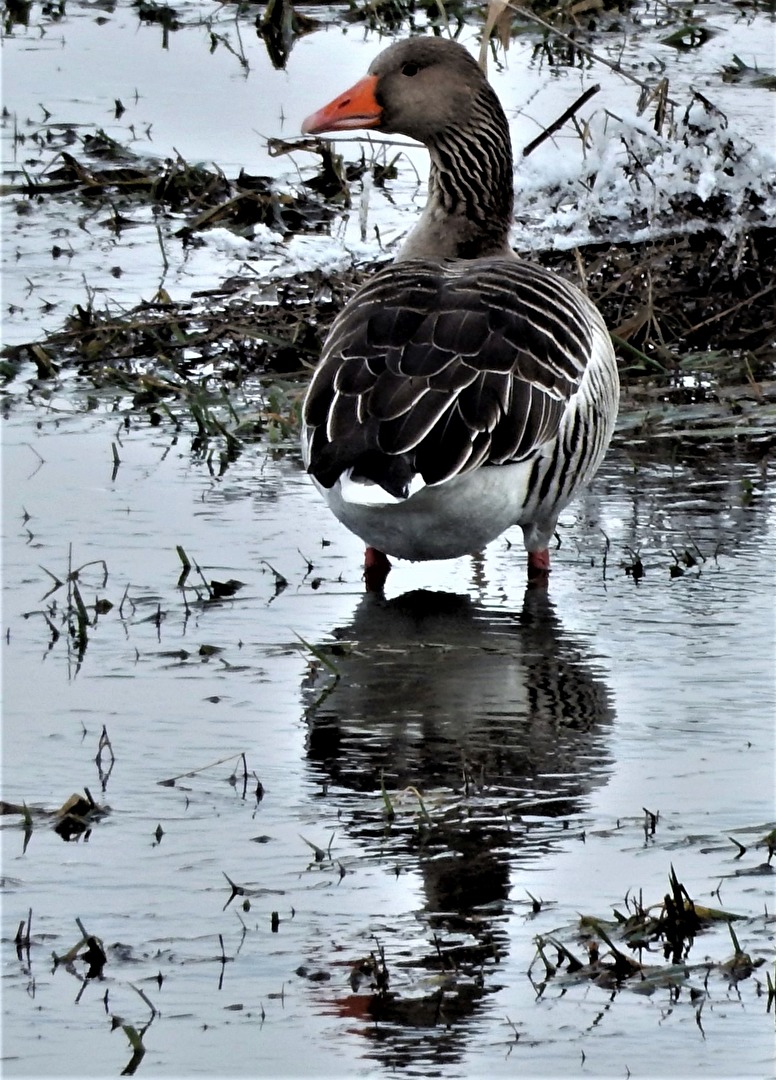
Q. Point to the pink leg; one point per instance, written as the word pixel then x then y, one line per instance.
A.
pixel 376 569
pixel 539 568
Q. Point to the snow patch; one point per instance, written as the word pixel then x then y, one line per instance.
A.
pixel 630 182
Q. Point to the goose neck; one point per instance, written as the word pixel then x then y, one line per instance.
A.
pixel 470 193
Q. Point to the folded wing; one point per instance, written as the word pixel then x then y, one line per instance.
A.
pixel 438 369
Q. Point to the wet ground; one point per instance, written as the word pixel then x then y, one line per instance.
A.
pixel 459 830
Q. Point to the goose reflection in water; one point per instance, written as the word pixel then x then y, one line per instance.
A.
pixel 500 721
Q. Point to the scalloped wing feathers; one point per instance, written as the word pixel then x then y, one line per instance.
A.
pixel 439 369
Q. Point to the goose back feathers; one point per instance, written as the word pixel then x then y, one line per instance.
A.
pixel 441 369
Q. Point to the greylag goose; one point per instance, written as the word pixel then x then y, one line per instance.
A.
pixel 461 390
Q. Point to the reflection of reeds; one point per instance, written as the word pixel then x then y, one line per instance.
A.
pixel 74 616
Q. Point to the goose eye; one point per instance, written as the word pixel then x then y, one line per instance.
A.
pixel 410 69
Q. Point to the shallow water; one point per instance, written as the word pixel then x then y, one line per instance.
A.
pixel 534 728
pixel 518 737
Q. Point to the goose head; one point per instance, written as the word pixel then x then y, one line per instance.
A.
pixel 432 89
pixel 420 88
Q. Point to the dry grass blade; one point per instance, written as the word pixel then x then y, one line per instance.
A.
pixel 424 812
pixel 319 655
pixel 499 19
pixel 390 813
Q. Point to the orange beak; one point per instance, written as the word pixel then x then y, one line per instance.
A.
pixel 356 108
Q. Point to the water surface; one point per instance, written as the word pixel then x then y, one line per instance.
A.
pixel 534 728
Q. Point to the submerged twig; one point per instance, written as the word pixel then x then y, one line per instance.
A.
pixel 171 781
